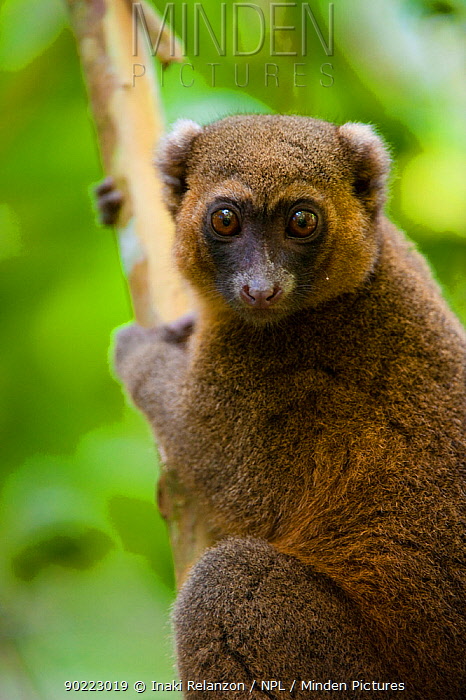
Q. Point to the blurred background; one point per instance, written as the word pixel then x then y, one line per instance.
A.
pixel 86 578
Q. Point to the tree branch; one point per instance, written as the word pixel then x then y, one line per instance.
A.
pixel 128 117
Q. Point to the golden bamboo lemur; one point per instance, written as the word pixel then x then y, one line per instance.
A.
pixel 316 407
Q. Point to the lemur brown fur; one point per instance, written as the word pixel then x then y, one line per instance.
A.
pixel 324 434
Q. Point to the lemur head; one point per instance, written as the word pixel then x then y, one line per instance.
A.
pixel 274 213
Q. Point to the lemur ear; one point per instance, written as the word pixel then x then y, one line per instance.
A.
pixel 370 162
pixel 171 156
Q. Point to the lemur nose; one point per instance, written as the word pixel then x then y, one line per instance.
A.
pixel 260 298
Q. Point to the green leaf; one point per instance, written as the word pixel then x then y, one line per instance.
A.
pixel 27 29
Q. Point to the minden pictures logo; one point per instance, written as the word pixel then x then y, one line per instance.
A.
pixel 241 45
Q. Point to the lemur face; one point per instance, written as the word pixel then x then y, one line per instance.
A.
pixel 274 214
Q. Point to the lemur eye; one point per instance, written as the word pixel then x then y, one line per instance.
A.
pixel 302 224
pixel 225 222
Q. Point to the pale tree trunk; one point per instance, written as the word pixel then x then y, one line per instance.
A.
pixel 128 117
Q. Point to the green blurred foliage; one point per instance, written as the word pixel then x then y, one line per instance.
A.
pixel 87 581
